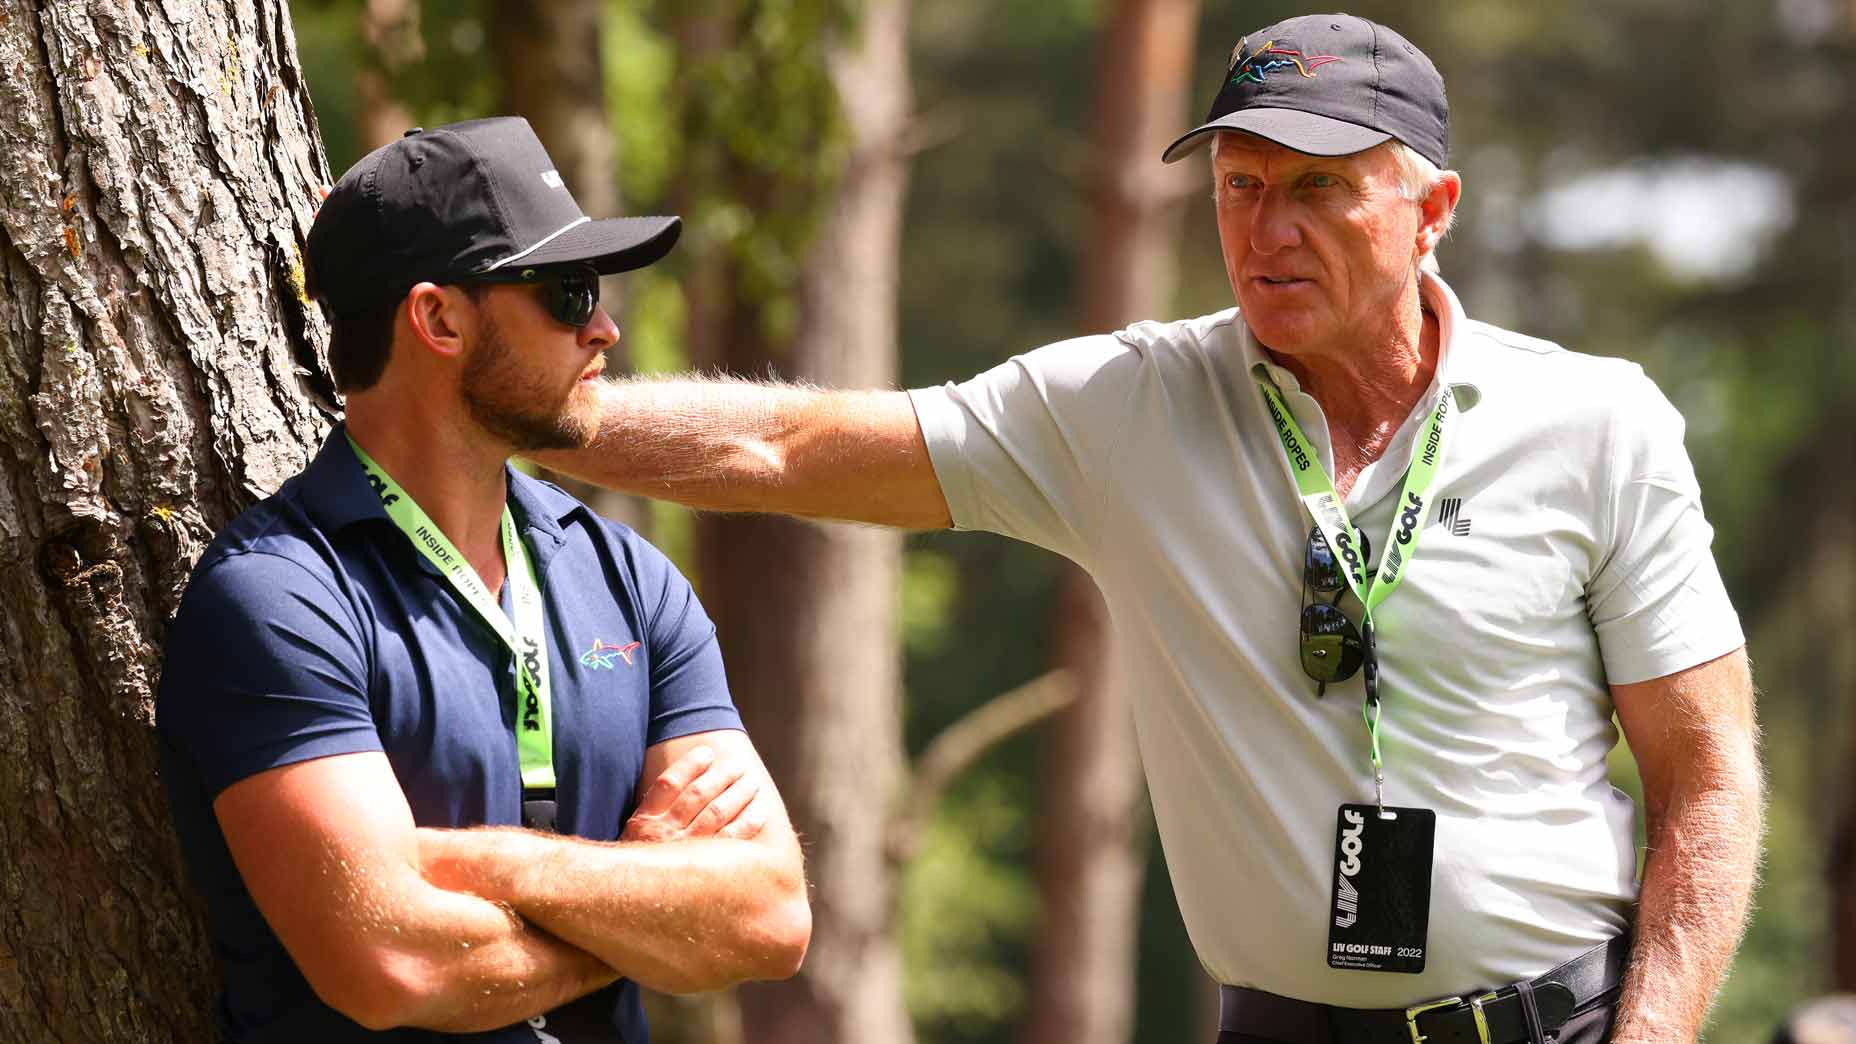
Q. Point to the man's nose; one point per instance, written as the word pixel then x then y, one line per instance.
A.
pixel 1273 226
pixel 600 332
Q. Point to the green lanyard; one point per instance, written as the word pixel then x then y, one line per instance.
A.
pixel 1324 504
pixel 534 723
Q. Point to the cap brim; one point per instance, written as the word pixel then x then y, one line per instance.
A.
pixel 612 244
pixel 1290 128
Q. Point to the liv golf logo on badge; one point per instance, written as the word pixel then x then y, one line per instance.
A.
pixel 1346 897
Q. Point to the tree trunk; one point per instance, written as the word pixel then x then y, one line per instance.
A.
pixel 547 55
pixel 549 59
pixel 807 612
pixel 158 166
pixel 390 42
pixel 1093 835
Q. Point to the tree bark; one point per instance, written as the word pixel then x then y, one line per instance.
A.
pixel 159 369
pixel 807 612
pixel 550 61
pixel 1092 830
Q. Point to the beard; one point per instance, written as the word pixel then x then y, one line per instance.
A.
pixel 519 406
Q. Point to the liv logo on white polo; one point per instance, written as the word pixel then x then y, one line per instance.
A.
pixel 1450 516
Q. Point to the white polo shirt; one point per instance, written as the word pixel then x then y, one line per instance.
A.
pixel 1571 553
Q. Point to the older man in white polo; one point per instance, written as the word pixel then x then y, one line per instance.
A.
pixel 1388 571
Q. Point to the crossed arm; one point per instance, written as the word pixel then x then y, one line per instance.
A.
pixel 1695 741
pixel 680 915
pixel 731 445
pixel 475 929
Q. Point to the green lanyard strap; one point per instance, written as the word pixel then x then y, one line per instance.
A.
pixel 534 722
pixel 1330 514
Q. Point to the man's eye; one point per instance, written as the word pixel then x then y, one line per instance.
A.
pixel 1239 181
pixel 1322 181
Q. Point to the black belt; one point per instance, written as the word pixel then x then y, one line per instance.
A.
pixel 1523 1011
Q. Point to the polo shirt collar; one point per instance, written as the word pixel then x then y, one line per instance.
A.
pixel 541 510
pixel 334 489
pixel 1450 322
pixel 335 494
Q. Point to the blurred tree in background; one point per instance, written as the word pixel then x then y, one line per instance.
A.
pixel 793 176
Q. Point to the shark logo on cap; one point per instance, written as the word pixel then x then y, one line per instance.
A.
pixel 1259 63
pixel 552 179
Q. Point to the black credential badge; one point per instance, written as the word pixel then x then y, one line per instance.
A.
pixel 1382 888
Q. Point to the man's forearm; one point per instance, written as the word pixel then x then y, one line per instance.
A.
pixel 677 916
pixel 733 445
pixel 1698 879
pixel 461 963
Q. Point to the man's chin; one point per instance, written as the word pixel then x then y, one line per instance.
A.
pixel 1279 334
pixel 568 432
pixel 568 429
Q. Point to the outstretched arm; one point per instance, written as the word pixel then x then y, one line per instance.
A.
pixel 327 849
pixel 1695 741
pixel 733 445
pixel 679 915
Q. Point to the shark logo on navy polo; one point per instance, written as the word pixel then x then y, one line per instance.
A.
pixel 605 656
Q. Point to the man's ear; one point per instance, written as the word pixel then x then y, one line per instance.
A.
pixel 439 317
pixel 1436 211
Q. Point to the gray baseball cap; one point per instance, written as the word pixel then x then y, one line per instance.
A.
pixel 1328 85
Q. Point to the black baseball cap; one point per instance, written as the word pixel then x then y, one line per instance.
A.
pixel 1328 85
pixel 457 201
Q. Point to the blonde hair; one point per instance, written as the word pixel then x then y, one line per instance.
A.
pixel 1417 179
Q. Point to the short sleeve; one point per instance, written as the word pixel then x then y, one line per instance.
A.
pixel 264 668
pixel 1656 601
pixel 1022 449
pixel 689 686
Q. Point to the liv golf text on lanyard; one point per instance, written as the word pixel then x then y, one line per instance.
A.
pixel 534 727
pixel 1324 504
pixel 1381 907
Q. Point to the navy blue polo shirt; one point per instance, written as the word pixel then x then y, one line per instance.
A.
pixel 312 627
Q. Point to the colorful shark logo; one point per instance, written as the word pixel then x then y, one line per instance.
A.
pixel 1258 64
pixel 600 656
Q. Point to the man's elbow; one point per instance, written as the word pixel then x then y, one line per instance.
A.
pixel 380 991
pixel 769 944
pixel 785 933
pixel 400 989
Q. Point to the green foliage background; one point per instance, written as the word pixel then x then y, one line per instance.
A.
pixel 1542 95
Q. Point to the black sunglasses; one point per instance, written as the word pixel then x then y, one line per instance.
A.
pixel 573 290
pixel 1332 648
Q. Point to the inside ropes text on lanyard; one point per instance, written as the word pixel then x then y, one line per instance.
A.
pixel 524 635
pixel 1330 514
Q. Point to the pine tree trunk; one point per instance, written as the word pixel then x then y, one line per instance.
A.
pixel 808 613
pixel 1092 831
pixel 159 370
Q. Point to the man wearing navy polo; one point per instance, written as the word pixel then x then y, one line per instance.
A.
pixel 450 756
